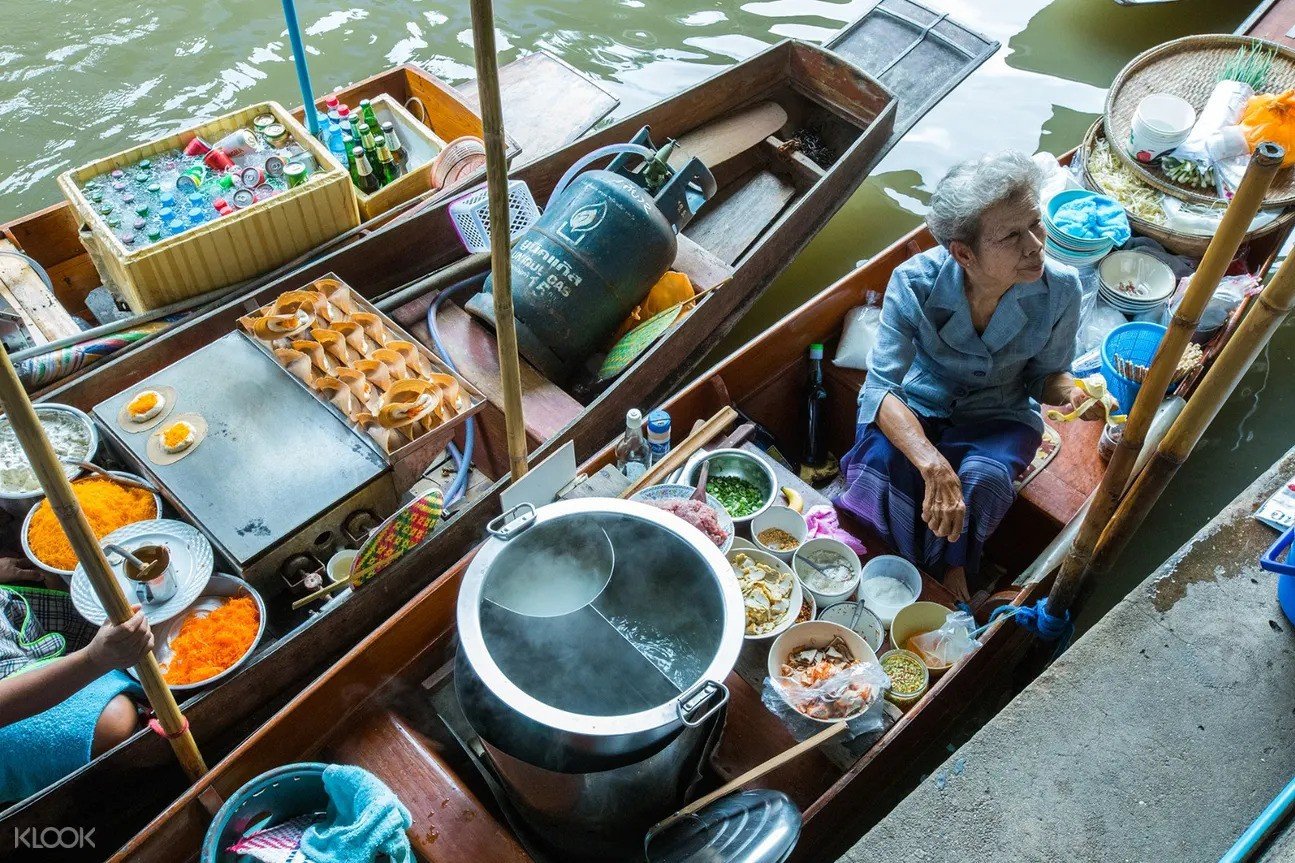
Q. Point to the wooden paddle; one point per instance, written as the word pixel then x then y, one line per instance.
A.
pixel 722 139
pixel 58 490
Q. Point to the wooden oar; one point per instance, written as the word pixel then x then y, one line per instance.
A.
pixel 492 125
pixel 58 490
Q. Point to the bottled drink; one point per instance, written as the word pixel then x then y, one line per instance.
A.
pixel 632 455
pixel 398 153
pixel 350 119
pixel 366 140
pixel 349 143
pixel 173 227
pixel 367 115
pixel 336 145
pixel 815 455
pixel 365 180
pixel 197 216
pixel 658 434
pixel 387 169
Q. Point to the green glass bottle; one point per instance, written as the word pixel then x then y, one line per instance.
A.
pixel 387 169
pixel 366 110
pixel 365 180
pixel 398 152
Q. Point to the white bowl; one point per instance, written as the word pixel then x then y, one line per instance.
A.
pixel 781 518
pixel 890 566
pixel 1151 277
pixel 796 600
pixel 868 626
pixel 1165 115
pixel 816 633
pixel 840 549
pixel 67 573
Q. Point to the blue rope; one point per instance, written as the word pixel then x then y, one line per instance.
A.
pixel 1038 620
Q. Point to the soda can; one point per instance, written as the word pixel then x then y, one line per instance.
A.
pixel 274 166
pixel 276 135
pixel 218 160
pixel 251 176
pixel 191 179
pixel 238 143
pixel 244 198
pixel 307 161
pixel 197 147
pixel 262 122
pixel 296 174
pixel 265 190
pixel 226 181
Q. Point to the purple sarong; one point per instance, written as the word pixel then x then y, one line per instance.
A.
pixel 885 490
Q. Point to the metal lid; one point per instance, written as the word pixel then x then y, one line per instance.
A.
pixel 747 827
pixel 592 652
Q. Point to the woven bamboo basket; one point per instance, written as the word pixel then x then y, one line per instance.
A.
pixel 1192 245
pixel 230 249
pixel 1189 67
pixel 418 141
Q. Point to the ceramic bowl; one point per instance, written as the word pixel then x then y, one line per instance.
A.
pixel 20 503
pixel 889 566
pixel 867 624
pixel 675 491
pixel 796 599
pixel 835 546
pixel 815 633
pixel 780 518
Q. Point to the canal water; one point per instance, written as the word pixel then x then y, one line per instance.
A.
pixel 81 79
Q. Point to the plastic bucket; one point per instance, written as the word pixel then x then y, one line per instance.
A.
pixel 1136 342
pixel 271 798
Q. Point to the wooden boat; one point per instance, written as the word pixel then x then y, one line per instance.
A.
pixel 784 198
pixel 377 706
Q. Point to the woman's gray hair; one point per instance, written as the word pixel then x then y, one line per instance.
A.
pixel 971 187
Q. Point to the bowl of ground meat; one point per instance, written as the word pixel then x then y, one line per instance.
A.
pixel 709 517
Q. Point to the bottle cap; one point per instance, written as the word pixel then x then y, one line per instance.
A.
pixel 634 418
pixel 658 421
pixel 816 352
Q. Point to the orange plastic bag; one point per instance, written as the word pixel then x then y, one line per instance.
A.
pixel 1271 117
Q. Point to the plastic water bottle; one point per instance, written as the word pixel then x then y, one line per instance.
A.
pixel 658 434
pixel 336 145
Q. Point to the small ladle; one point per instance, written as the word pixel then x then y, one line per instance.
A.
pixel 699 494
pixel 145 569
pixel 94 468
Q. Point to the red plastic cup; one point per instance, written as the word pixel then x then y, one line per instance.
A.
pixel 197 147
pixel 217 160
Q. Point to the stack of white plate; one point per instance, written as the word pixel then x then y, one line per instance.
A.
pixel 1135 282
pixel 1067 248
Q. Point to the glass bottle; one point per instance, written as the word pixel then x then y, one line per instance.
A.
pixel 632 454
pixel 815 403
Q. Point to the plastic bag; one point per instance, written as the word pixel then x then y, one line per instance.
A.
pixel 855 695
pixel 858 337
pixel 1227 296
pixel 949 643
pixel 1096 324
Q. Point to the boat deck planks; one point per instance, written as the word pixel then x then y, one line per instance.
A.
pixel 1275 21
pixel 736 218
pixel 44 317
pixel 547 104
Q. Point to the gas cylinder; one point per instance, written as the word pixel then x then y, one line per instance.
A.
pixel 599 247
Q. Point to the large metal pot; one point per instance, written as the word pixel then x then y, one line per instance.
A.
pixel 569 691
pixel 594 638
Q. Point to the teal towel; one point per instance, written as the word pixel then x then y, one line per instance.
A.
pixel 364 820
pixel 42 749
pixel 1094 217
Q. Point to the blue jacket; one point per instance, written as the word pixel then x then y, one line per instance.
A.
pixel 929 354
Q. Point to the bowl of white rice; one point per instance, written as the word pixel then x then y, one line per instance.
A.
pixel 71 433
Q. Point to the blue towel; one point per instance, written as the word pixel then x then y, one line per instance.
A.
pixel 42 749
pixel 1092 217
pixel 364 820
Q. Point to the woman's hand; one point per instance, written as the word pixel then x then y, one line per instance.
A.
pixel 1095 410
pixel 121 646
pixel 943 509
pixel 15 570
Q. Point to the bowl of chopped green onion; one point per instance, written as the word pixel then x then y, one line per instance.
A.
pixel 741 481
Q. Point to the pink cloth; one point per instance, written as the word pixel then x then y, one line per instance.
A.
pixel 822 521
pixel 278 844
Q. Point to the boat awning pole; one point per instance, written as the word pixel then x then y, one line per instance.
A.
pixel 303 74
pixel 492 123
pixel 58 490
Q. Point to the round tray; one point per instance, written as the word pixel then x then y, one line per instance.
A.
pixel 1189 67
pixel 1192 245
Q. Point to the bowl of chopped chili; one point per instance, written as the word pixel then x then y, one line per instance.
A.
pixel 212 638
pixel 107 505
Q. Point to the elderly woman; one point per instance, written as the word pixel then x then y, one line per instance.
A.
pixel 974 334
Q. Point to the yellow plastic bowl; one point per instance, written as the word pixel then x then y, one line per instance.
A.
pixel 914 620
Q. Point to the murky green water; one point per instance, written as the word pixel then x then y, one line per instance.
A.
pixel 81 79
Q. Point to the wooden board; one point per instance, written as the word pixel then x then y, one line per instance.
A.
pixel 730 223
pixel 45 319
pixel 547 104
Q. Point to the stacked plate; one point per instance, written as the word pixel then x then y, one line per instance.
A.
pixel 1135 282
pixel 1067 248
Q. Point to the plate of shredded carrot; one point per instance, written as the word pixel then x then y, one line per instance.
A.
pixel 212 637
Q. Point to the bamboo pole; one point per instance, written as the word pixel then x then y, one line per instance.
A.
pixel 1267 313
pixel 62 500
pixel 1222 249
pixel 492 124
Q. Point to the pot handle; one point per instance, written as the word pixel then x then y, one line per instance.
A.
pixel 511 523
pixel 706 698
